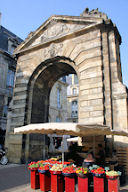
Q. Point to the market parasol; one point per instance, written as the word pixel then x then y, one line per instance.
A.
pixel 74 129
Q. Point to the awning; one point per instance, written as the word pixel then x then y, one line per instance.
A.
pixel 49 128
pixel 73 139
pixel 119 133
pixel 75 129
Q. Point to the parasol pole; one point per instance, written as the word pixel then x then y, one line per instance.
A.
pixel 63 150
pixel 62 158
pixel 94 142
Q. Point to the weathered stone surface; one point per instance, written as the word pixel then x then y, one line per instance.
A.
pixel 92 108
pixel 91 86
pixel 20 97
pixel 92 120
pixel 83 55
pixel 91 97
pixel 90 63
pixel 85 46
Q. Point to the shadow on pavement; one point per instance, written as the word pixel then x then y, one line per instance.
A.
pixel 11 177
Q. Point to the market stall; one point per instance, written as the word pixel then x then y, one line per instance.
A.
pixel 74 129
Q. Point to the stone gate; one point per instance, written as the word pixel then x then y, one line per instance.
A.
pixel 86 45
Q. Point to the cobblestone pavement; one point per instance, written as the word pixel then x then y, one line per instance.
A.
pixel 16 178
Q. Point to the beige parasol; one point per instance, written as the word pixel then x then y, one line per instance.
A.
pixel 75 129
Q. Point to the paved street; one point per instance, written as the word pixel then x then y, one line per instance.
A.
pixel 16 178
pixel 13 178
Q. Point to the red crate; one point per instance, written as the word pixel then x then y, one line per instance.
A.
pixel 35 183
pixel 69 184
pixel 98 184
pixel 83 184
pixel 56 182
pixel 45 181
pixel 113 184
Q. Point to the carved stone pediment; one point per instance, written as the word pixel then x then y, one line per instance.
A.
pixel 56 27
pixel 56 30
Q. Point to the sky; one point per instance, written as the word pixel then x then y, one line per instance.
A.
pixel 23 16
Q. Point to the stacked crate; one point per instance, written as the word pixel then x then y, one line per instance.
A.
pixel 122 154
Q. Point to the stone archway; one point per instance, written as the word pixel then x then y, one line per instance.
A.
pixel 41 83
pixel 39 87
pixel 86 44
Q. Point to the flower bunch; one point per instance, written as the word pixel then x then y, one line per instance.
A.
pixel 113 173
pixel 69 169
pixel 99 170
pixel 82 170
pixel 33 165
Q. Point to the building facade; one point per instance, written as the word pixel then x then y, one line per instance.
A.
pixel 8 42
pixel 58 101
pixel 72 99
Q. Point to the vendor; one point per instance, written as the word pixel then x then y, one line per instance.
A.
pixel 72 155
pixel 100 157
pixel 89 160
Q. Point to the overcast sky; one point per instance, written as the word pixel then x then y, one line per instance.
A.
pixel 23 16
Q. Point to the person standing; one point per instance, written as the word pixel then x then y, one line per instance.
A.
pixel 89 160
pixel 100 157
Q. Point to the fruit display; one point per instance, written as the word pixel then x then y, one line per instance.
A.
pixel 51 161
pixel 43 167
pixel 57 167
pixel 55 158
pixel 69 169
pixel 81 170
pixel 99 170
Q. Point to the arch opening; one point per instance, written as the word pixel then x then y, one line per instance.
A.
pixel 42 88
pixel 49 101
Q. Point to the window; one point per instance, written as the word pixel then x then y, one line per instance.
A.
pixel 5 110
pixel 74 108
pixel 58 98
pixel 63 79
pixel 74 91
pixel 58 119
pixel 10 78
pixel 12 49
pixel 11 46
pixel 74 103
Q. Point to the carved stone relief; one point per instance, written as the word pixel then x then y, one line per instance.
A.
pixel 52 51
pixel 57 29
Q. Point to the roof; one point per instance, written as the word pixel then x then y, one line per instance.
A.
pixel 85 20
pixel 5 34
